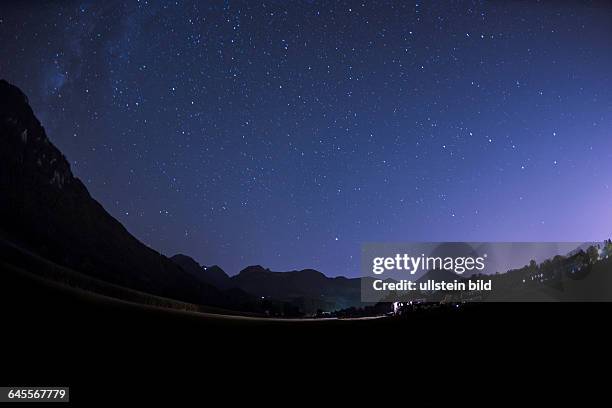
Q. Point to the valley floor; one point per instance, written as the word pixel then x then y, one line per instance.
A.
pixel 55 334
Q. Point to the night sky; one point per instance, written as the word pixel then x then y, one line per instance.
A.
pixel 287 134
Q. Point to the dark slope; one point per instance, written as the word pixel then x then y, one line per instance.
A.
pixel 212 275
pixel 45 208
pixel 308 288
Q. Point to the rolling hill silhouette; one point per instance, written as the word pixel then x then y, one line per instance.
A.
pixel 308 289
pixel 311 289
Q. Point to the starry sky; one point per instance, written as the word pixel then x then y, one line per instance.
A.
pixel 288 133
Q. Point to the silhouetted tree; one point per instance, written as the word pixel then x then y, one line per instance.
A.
pixel 592 254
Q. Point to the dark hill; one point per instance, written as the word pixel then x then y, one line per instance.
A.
pixel 212 275
pixel 309 288
pixel 44 209
pixel 47 210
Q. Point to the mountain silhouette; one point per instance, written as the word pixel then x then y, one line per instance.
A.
pixel 212 275
pixel 309 288
pixel 48 211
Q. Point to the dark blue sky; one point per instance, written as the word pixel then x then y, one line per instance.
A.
pixel 286 134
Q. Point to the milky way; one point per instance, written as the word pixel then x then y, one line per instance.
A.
pixel 287 134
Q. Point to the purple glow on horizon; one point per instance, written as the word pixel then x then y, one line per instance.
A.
pixel 288 134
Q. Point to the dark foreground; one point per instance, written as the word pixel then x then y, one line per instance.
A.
pixel 101 347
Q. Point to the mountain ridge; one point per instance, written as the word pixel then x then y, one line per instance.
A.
pixel 308 288
pixel 48 210
pixel 213 275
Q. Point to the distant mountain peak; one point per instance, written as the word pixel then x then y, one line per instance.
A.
pixel 251 269
pixel 214 269
pixel 48 211
pixel 212 275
